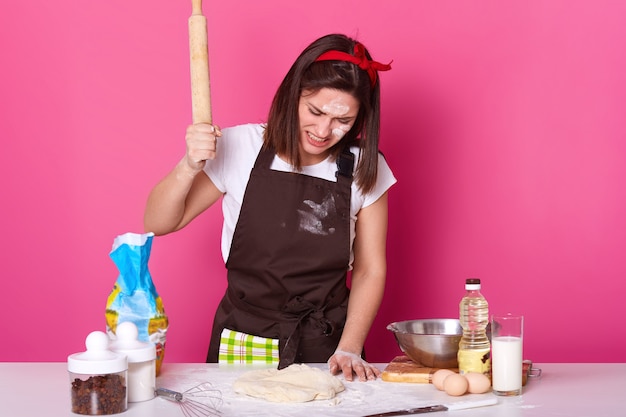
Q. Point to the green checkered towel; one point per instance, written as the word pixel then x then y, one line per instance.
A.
pixel 237 347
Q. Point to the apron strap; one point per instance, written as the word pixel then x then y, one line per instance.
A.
pixel 345 163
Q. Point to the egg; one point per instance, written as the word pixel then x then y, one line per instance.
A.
pixel 439 376
pixel 455 385
pixel 478 383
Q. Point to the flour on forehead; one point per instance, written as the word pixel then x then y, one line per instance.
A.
pixel 336 108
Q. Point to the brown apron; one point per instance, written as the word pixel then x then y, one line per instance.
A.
pixel 288 262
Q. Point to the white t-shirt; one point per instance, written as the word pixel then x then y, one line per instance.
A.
pixel 237 151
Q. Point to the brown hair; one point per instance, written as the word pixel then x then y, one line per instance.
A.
pixel 282 131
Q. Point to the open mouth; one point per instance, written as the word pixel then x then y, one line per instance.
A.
pixel 316 140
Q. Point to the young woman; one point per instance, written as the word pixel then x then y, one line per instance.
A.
pixel 304 202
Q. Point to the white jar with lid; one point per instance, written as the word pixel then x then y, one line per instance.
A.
pixel 141 362
pixel 98 378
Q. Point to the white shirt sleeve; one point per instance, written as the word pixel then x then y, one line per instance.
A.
pixel 384 181
pixel 237 150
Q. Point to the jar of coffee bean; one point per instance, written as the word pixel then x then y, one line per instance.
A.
pixel 98 378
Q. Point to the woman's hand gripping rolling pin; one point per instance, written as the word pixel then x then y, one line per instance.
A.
pixel 201 139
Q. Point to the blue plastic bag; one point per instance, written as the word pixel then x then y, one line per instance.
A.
pixel 134 297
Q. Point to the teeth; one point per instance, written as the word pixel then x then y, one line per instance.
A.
pixel 315 138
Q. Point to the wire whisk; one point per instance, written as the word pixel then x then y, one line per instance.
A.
pixel 203 400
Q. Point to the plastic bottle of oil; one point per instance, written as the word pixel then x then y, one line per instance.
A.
pixel 474 348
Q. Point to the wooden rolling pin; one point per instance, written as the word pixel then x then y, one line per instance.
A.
pixel 199 63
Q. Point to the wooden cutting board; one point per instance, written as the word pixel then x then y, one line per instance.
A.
pixel 403 369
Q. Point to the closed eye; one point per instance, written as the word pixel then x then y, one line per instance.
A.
pixel 315 112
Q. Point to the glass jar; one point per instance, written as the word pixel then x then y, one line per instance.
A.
pixel 98 378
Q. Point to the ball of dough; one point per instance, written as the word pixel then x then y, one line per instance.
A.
pixel 455 385
pixel 293 384
pixel 478 383
pixel 439 376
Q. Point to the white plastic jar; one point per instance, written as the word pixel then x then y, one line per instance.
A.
pixel 98 378
pixel 141 362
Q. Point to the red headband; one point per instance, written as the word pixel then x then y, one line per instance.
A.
pixel 358 58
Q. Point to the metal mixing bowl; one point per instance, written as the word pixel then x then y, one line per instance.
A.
pixel 433 343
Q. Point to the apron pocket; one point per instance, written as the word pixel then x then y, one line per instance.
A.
pixel 238 347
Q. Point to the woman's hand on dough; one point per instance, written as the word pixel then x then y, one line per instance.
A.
pixel 201 142
pixel 350 364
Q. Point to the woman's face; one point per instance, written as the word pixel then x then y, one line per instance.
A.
pixel 325 117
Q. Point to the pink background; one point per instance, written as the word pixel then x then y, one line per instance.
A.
pixel 503 121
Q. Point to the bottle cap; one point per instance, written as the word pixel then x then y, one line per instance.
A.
pixel 128 344
pixel 97 360
pixel 472 284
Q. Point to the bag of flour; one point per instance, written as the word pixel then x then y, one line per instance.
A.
pixel 134 297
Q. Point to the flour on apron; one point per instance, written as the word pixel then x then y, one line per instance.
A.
pixel 312 220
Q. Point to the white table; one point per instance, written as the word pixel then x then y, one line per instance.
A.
pixel 572 390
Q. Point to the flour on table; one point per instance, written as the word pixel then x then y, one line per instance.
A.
pixel 296 383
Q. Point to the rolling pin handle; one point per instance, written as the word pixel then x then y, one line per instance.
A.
pixel 199 62
pixel 196 7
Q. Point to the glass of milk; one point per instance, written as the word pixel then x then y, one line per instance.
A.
pixel 506 354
